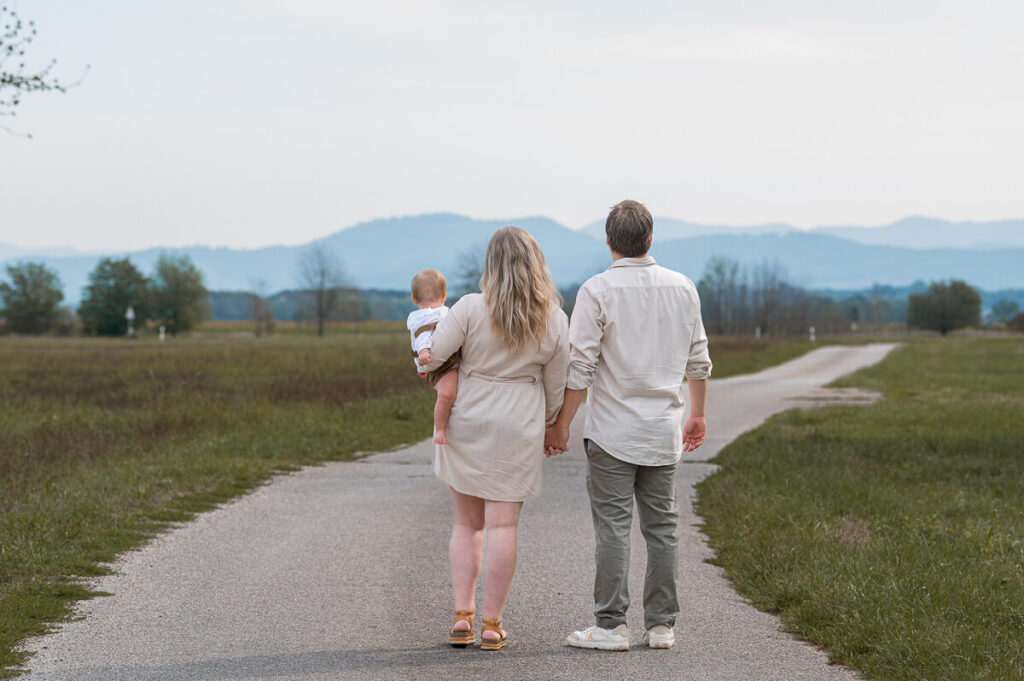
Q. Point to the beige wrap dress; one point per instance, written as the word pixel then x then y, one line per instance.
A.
pixel 496 430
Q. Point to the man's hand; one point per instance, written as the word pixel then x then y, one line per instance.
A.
pixel 425 357
pixel 556 440
pixel 693 433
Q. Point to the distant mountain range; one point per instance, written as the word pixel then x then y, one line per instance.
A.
pixel 384 254
pixel 926 233
pixel 919 233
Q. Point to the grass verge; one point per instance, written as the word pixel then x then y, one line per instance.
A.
pixel 734 355
pixel 893 534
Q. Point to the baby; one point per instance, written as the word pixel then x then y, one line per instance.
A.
pixel 429 291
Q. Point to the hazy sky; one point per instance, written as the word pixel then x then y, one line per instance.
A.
pixel 254 122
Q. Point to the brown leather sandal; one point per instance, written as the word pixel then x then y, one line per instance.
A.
pixel 461 639
pixel 489 644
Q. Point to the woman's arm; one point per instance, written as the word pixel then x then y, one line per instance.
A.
pixel 449 335
pixel 556 370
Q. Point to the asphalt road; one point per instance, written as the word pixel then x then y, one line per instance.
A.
pixel 340 572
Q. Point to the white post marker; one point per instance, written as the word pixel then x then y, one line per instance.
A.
pixel 757 332
pixel 161 334
pixel 812 334
pixel 130 316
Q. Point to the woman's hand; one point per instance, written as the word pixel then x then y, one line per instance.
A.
pixel 556 440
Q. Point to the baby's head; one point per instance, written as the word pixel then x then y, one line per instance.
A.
pixel 429 289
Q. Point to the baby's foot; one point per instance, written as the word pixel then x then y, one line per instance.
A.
pixel 439 438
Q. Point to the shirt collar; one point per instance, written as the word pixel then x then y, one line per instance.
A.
pixel 645 261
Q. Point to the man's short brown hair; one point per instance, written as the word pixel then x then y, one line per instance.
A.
pixel 429 285
pixel 629 228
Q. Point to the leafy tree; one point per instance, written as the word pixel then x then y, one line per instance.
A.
pixel 113 286
pixel 945 307
pixel 31 299
pixel 178 294
pixel 322 276
pixel 1017 323
pixel 1004 310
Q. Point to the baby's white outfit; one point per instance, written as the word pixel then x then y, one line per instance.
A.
pixel 421 317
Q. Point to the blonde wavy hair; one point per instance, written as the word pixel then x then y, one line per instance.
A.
pixel 518 288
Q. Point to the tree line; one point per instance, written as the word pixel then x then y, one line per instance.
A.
pixel 736 299
pixel 741 300
pixel 173 297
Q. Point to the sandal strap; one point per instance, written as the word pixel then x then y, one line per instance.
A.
pixel 463 615
pixel 493 625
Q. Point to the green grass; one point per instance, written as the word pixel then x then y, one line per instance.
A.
pixel 732 355
pixel 893 534
pixel 104 442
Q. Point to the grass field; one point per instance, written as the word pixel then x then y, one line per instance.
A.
pixel 104 442
pixel 893 534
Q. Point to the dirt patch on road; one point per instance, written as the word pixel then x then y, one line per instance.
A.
pixel 826 397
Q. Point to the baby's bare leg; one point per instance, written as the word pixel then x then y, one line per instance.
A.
pixel 447 387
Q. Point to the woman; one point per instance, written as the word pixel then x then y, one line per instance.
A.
pixel 515 354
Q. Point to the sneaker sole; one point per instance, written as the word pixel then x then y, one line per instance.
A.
pixel 597 645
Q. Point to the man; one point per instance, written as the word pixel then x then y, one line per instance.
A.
pixel 636 339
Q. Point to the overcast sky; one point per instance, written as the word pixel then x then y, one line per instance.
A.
pixel 256 122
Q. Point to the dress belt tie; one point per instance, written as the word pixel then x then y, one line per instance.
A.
pixel 502 379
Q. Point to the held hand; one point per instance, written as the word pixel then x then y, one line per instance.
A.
pixel 693 433
pixel 425 357
pixel 556 440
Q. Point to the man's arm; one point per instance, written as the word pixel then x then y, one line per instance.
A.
pixel 695 428
pixel 586 329
pixel 556 438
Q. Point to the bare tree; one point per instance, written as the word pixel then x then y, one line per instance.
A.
pixel 262 317
pixel 322 277
pixel 16 80
pixel 723 295
pixel 469 269
pixel 767 286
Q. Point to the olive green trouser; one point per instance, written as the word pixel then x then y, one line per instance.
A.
pixel 612 485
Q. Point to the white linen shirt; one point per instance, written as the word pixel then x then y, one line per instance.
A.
pixel 416 319
pixel 636 334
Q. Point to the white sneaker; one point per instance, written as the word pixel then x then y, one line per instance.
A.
pixel 603 639
pixel 659 636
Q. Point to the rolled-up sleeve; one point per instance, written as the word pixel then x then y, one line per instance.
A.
pixel 698 363
pixel 555 370
pixel 449 336
pixel 585 333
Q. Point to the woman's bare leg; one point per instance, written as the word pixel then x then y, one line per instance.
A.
pixel 501 520
pixel 465 550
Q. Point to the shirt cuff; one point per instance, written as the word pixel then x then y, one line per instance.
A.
pixel 580 378
pixel 698 373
